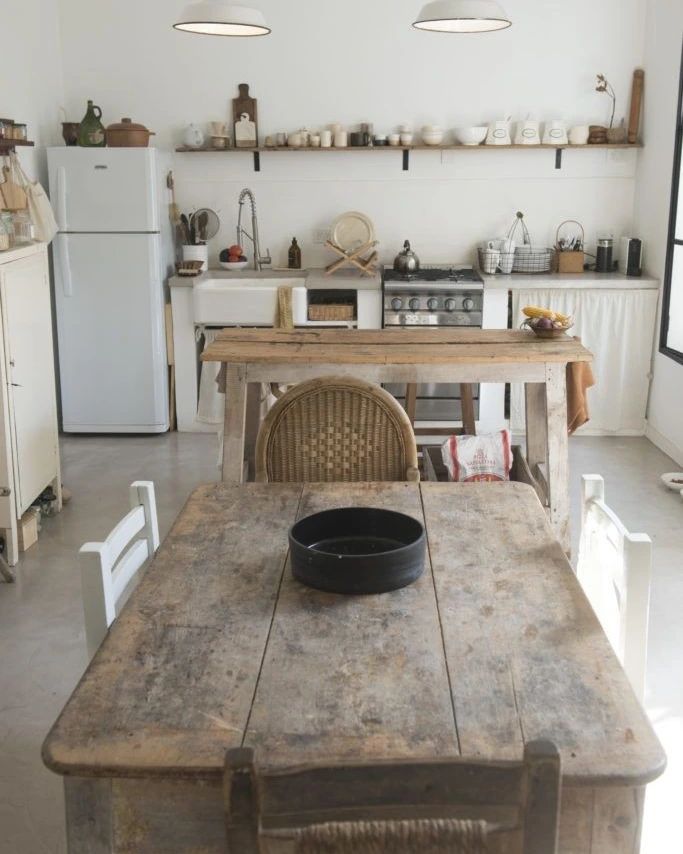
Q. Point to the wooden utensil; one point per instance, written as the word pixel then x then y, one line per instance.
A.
pixel 636 103
pixel 14 197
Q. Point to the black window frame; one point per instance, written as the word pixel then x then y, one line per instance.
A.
pixel 672 242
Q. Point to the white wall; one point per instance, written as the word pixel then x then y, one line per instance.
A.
pixel 32 88
pixel 663 37
pixel 360 60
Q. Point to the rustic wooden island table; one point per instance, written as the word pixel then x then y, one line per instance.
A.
pixel 219 647
pixel 455 355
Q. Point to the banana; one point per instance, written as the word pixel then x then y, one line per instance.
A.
pixel 535 311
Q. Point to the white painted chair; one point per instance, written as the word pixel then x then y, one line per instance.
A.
pixel 107 568
pixel 614 569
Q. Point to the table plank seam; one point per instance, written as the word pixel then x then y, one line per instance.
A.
pixel 438 614
pixel 270 625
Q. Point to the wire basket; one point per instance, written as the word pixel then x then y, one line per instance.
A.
pixel 492 261
pixel 529 258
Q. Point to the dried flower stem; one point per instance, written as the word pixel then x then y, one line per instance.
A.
pixel 605 86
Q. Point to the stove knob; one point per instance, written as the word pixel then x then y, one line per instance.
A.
pixel 396 303
pixel 468 304
pixel 414 304
pixel 432 303
pixel 450 304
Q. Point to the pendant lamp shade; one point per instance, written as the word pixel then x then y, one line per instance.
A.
pixel 218 18
pixel 462 16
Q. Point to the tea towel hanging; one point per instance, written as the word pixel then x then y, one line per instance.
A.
pixel 44 223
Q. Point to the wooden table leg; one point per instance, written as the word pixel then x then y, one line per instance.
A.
pixel 558 450
pixel 411 402
pixel 467 403
pixel 536 425
pixel 234 422
pixel 252 426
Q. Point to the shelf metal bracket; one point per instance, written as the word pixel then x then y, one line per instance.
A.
pixel 406 159
pixel 558 158
pixel 257 161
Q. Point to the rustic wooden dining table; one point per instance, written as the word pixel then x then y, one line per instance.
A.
pixel 458 355
pixel 219 647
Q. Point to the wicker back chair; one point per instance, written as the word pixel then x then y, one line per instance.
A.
pixel 448 806
pixel 336 429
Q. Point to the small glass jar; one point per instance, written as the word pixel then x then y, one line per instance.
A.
pixel 5 129
pixel 23 227
pixel 4 237
pixel 19 132
pixel 7 226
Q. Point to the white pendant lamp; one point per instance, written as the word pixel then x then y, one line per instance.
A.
pixel 462 16
pixel 217 18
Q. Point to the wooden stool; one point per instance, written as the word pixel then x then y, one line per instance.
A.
pixel 468 419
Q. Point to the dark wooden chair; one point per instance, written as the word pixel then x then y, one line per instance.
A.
pixel 457 806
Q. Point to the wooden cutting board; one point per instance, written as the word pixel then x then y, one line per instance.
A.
pixel 244 103
pixel 636 102
pixel 13 196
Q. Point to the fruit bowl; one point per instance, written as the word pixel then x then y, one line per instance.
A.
pixel 558 328
pixel 233 265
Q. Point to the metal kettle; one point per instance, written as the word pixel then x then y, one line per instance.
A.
pixel 406 261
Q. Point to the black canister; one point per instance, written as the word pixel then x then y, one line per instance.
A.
pixel 603 257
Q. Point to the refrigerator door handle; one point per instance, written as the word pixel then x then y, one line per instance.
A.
pixel 62 247
pixel 60 201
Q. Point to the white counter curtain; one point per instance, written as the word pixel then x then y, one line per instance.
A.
pixel 617 326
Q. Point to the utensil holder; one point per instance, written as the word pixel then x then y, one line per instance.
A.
pixel 199 252
pixel 571 261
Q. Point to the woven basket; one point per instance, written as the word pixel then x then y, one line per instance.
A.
pixel 330 312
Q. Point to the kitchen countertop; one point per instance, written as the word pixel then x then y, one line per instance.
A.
pixel 588 280
pixel 313 278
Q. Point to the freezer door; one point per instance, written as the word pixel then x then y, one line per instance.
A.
pixel 111 341
pixel 104 189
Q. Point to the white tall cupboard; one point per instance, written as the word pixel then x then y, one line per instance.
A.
pixel 29 441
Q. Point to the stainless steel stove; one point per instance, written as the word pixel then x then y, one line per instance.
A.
pixel 435 296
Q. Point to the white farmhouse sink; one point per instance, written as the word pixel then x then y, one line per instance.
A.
pixel 248 301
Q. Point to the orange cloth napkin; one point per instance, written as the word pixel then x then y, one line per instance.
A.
pixel 579 379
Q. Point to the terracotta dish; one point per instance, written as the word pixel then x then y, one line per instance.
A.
pixel 127 134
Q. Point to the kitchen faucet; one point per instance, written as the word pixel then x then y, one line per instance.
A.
pixel 259 261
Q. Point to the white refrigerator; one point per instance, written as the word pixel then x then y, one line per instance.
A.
pixel 112 256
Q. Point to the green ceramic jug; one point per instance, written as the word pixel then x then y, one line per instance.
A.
pixel 91 130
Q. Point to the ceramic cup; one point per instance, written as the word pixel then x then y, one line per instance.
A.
pixel 294 140
pixel 341 139
pixel 528 133
pixel 578 135
pixel 326 139
pixel 507 254
pixel 281 138
pixel 315 140
pixel 499 133
pixel 490 257
pixel 406 138
pixel 218 129
pixel 394 139
pixel 555 133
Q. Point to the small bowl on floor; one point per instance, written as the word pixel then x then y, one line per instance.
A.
pixel 673 480
pixel 357 550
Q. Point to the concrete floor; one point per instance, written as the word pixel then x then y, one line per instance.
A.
pixel 42 644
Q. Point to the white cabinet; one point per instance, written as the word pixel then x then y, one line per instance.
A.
pixel 617 325
pixel 29 446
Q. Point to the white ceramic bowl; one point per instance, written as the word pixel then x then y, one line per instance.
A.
pixel 669 479
pixel 233 265
pixel 433 136
pixel 471 135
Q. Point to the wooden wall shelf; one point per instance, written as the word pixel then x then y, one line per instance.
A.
pixel 10 144
pixel 405 150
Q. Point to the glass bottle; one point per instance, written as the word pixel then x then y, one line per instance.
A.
pixel 294 256
pixel 8 227
pixel 23 227
pixel 91 130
